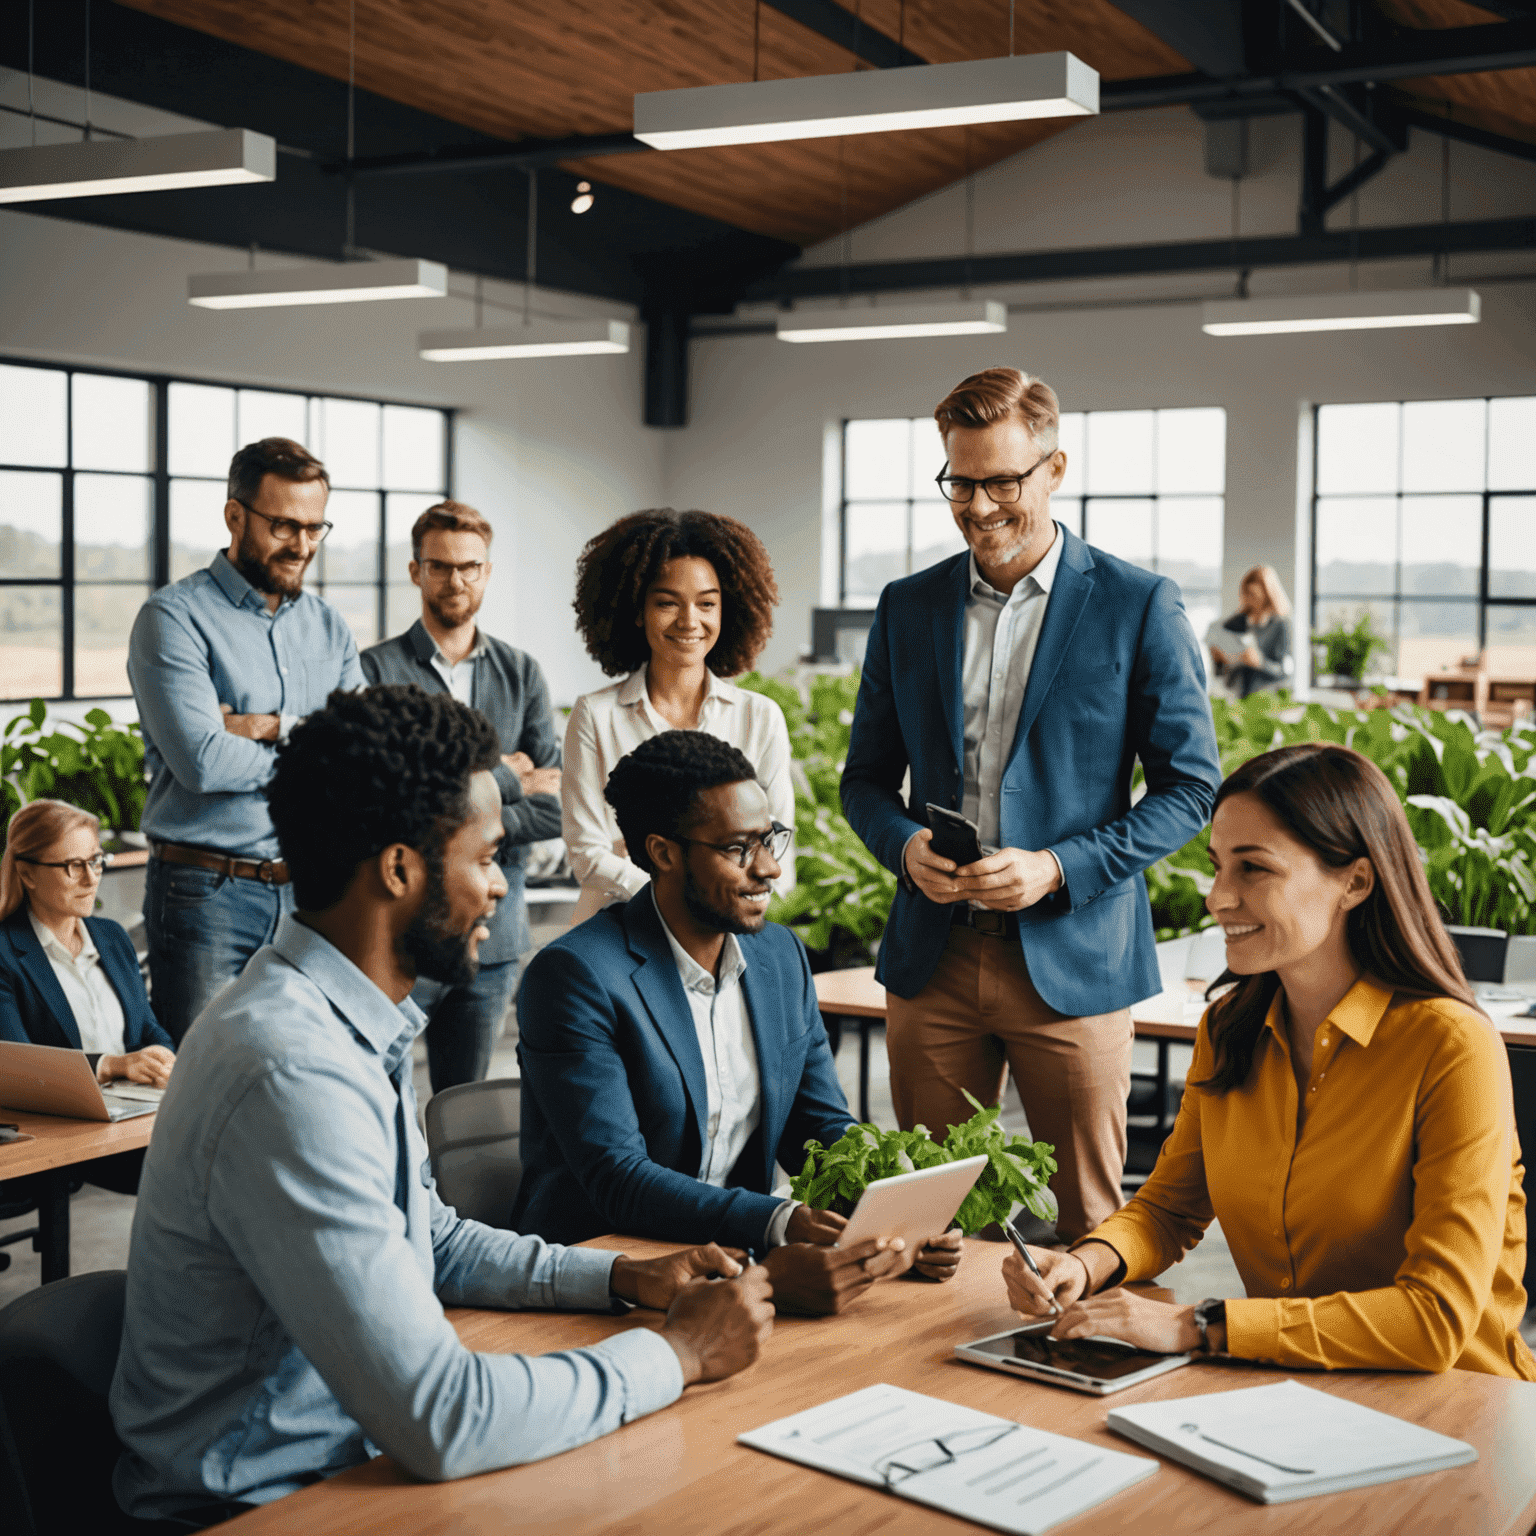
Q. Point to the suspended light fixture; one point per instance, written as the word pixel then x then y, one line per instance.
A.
pixel 98 167
pixel 1340 312
pixel 869 101
pixel 539 338
pixel 583 199
pixel 982 318
pixel 348 282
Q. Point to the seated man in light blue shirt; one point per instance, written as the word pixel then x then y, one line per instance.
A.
pixel 290 1256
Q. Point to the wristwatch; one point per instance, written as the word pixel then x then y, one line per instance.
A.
pixel 1211 1310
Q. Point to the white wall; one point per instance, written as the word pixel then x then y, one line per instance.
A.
pixel 761 408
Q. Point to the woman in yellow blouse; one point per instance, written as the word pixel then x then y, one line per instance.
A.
pixel 1348 1117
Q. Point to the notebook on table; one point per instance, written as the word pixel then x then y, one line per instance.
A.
pixel 1285 1441
pixel 54 1080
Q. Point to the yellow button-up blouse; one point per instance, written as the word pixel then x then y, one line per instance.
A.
pixel 1378 1219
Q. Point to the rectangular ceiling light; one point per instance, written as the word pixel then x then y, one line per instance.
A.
pixel 869 101
pixel 541 338
pixel 1340 312
pixel 96 167
pixel 347 282
pixel 896 320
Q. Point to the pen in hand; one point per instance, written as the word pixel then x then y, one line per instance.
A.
pixel 1024 1253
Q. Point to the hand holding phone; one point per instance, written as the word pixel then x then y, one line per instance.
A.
pixel 953 836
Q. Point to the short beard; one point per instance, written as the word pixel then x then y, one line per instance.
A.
pixel 438 613
pixel 708 917
pixel 259 572
pixel 438 952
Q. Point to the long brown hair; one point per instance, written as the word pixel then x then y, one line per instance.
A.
pixel 33 830
pixel 1341 806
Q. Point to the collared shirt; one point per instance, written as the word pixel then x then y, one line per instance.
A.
pixel 290 1262
pixel 1001 633
pixel 97 1008
pixel 459 676
pixel 206 640
pixel 723 1023
pixel 607 725
pixel 1375 1215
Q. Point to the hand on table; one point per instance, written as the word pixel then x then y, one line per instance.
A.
pixel 253 727
pixel 808 1277
pixel 1065 1279
pixel 939 1257
pixel 718 1327
pixel 1136 1319
pixel 656 1282
pixel 152 1066
pixel 1008 880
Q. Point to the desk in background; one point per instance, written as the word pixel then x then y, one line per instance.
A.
pixel 57 1145
pixel 680 1471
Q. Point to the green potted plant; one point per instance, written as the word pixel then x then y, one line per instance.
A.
pixel 1349 648
pixel 98 766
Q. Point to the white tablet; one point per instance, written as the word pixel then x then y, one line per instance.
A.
pixel 1096 1365
pixel 916 1206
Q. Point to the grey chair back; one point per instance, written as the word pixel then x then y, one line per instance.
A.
pixel 473 1135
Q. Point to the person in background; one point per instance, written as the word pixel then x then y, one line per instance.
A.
pixel 1020 683
pixel 68 979
pixel 1264 615
pixel 1349 1081
pixel 674 603
pixel 445 651
pixel 672 1048
pixel 222 663
pixel 290 1257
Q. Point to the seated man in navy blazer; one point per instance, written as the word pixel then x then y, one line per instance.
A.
pixel 1019 684
pixel 672 1048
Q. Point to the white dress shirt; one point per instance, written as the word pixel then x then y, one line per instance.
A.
pixel 732 1081
pixel 97 1009
pixel 611 723
pixel 460 676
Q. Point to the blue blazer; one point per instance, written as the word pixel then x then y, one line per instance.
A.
pixel 614 1101
pixel 1116 677
pixel 32 1003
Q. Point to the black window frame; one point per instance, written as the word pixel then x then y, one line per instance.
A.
pixel 160 477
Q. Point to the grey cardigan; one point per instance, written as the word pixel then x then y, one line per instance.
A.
pixel 509 689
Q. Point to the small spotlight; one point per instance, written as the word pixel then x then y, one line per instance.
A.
pixel 583 199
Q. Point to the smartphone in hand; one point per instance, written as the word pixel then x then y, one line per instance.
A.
pixel 953 836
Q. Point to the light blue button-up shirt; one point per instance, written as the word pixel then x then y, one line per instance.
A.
pixel 207 640
pixel 290 1261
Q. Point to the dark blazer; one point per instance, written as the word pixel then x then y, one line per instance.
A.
pixel 32 1003
pixel 614 1100
pixel 1116 677
pixel 510 691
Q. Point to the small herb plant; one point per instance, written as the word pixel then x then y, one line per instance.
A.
pixel 1017 1170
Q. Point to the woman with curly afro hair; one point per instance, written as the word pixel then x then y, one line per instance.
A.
pixel 673 604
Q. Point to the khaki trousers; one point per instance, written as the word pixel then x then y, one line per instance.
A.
pixel 979 1016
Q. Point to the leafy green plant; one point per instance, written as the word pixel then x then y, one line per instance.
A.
pixel 1348 648
pixel 843 893
pixel 98 766
pixel 1017 1172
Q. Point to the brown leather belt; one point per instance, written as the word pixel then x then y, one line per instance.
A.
pixel 268 871
pixel 995 925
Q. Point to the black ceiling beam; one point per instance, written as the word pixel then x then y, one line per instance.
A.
pixel 521 155
pixel 1466 133
pixel 1209 35
pixel 1371 116
pixel 1382 243
pixel 848 30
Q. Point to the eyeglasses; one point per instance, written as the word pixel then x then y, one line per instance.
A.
pixel 929 1455
pixel 288 529
pixel 745 853
pixel 1002 489
pixel 441 570
pixel 74 868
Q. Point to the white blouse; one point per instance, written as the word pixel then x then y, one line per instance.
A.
pixel 97 1008
pixel 607 725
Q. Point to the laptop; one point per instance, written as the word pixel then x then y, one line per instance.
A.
pixel 54 1080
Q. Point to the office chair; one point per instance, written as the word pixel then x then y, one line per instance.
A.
pixel 473 1134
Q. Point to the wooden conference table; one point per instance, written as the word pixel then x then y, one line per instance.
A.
pixel 57 1144
pixel 680 1471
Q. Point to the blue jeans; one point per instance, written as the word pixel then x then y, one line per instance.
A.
pixel 202 927
pixel 464 1023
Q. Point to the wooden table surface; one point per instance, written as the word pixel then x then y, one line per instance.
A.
pixel 680 1471
pixel 58 1142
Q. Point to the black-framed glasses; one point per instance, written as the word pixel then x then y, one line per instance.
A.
pixel 444 570
pixel 74 868
pixel 1002 489
pixel 745 852
pixel 930 1455
pixel 288 529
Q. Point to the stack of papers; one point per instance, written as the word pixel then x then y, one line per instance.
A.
pixel 1286 1441
pixel 983 1468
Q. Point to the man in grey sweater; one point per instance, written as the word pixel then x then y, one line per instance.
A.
pixel 444 651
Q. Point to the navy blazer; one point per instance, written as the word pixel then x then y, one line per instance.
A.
pixel 33 1007
pixel 614 1101
pixel 1116 676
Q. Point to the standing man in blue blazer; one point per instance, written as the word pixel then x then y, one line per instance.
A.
pixel 672 1049
pixel 1020 684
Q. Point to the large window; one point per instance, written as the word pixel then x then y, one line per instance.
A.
pixel 112 485
pixel 1145 485
pixel 1424 514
